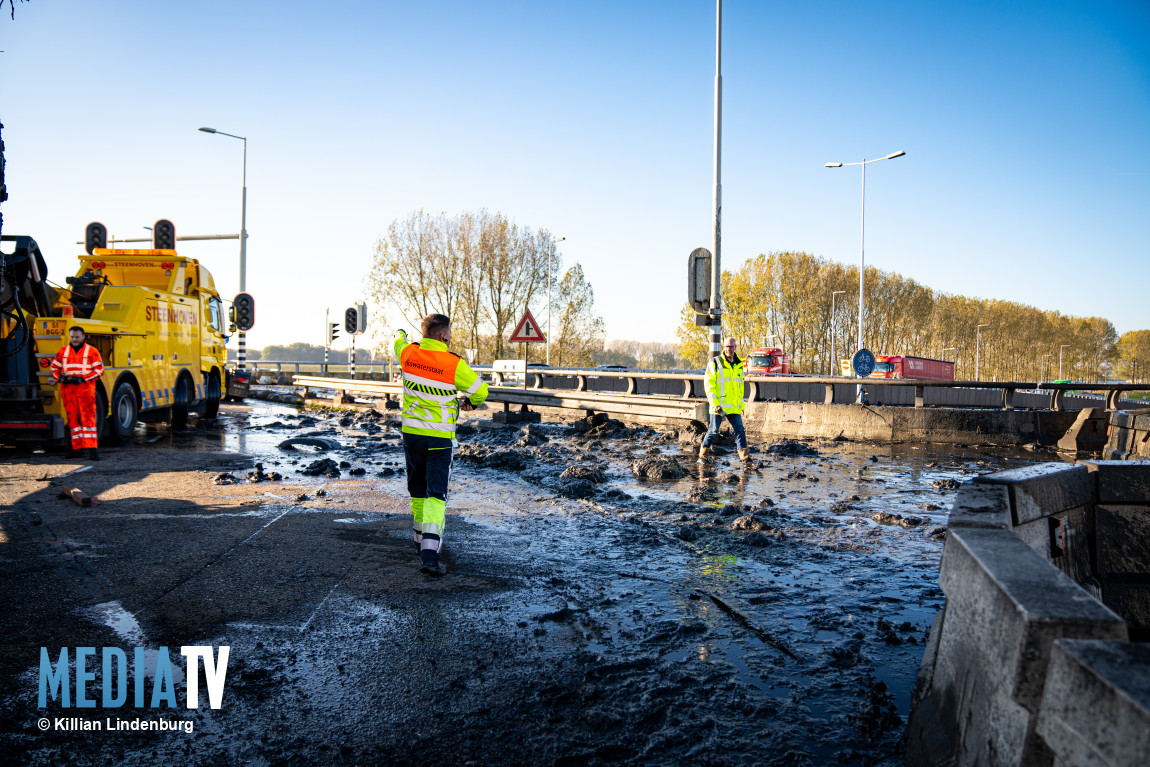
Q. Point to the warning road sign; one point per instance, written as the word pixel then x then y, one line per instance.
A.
pixel 527 331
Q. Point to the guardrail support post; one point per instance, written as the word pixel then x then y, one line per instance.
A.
pixel 829 394
pixel 581 383
pixel 1008 398
pixel 1056 400
pixel 918 396
pixel 632 385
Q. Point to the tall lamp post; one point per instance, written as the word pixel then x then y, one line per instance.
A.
pixel 242 350
pixel 834 362
pixel 550 262
pixel 948 349
pixel 977 347
pixel 862 235
pixel 1060 348
pixel 1044 356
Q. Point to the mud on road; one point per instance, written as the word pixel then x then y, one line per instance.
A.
pixel 607 600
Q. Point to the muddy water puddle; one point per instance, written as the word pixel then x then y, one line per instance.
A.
pixel 665 619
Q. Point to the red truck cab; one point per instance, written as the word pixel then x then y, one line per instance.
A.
pixel 767 362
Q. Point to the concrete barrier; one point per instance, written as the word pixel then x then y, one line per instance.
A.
pixel 1037 561
pixel 907 424
pixel 1129 435
pixel 1094 690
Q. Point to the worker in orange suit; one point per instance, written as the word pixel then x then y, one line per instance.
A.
pixel 77 367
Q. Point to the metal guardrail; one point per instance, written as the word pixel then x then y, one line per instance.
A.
pixel 604 402
pixel 759 387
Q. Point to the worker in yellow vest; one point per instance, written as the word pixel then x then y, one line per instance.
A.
pixel 433 379
pixel 725 385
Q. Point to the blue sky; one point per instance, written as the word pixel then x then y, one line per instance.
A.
pixel 1027 175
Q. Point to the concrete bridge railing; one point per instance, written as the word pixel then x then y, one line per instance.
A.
pixel 1045 572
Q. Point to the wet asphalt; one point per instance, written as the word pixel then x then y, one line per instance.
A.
pixel 592 613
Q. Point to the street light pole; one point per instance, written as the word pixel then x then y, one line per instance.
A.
pixel 550 266
pixel 241 351
pixel 948 349
pixel 1044 356
pixel 862 235
pixel 834 362
pixel 977 345
pixel 1060 348
pixel 717 192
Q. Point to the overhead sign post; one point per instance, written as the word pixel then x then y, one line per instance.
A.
pixel 527 332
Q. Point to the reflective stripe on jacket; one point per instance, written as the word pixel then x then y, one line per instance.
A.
pixel 85 363
pixel 725 384
pixel 432 380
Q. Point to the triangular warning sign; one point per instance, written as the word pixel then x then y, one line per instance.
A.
pixel 527 331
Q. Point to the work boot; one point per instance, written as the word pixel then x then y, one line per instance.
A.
pixel 433 568
pixel 93 454
pixel 704 454
pixel 745 457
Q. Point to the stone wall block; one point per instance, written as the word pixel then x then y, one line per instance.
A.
pixel 1121 481
pixel 981 505
pixel 1044 489
pixel 1096 703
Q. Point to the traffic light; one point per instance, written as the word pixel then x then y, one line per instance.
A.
pixel 95 236
pixel 360 317
pixel 351 320
pixel 332 333
pixel 245 311
pixel 164 235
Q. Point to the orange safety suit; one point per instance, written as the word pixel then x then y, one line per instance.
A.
pixel 79 399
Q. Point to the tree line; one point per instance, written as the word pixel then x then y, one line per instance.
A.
pixel 482 270
pixel 783 299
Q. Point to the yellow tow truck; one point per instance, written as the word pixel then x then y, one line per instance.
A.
pixel 155 317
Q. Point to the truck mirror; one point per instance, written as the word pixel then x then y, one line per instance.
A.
pixel 232 329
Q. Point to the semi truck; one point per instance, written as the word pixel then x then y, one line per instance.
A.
pixel 906 366
pixel 767 361
pixel 155 317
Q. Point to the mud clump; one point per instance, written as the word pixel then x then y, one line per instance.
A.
pixel 587 473
pixel 689 533
pixel 884 518
pixel 692 433
pixel 757 540
pixel 660 467
pixel 259 475
pixel 225 478
pixel 787 447
pixel 510 459
pixel 532 436
pixel 599 425
pixel 944 485
pixel 748 523
pixel 324 466
pixel 730 510
pixel 576 488
pixel 703 494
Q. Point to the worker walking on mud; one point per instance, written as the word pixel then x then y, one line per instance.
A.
pixel 78 366
pixel 433 379
pixel 725 384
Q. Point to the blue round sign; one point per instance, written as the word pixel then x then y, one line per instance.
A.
pixel 863 363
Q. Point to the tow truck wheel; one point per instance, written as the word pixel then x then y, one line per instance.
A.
pixel 181 401
pixel 101 413
pixel 125 411
pixel 212 406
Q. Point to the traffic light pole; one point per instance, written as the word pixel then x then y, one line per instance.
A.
pixel 326 337
pixel 351 355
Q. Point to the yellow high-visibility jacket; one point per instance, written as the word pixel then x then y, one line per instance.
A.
pixel 725 384
pixel 432 380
